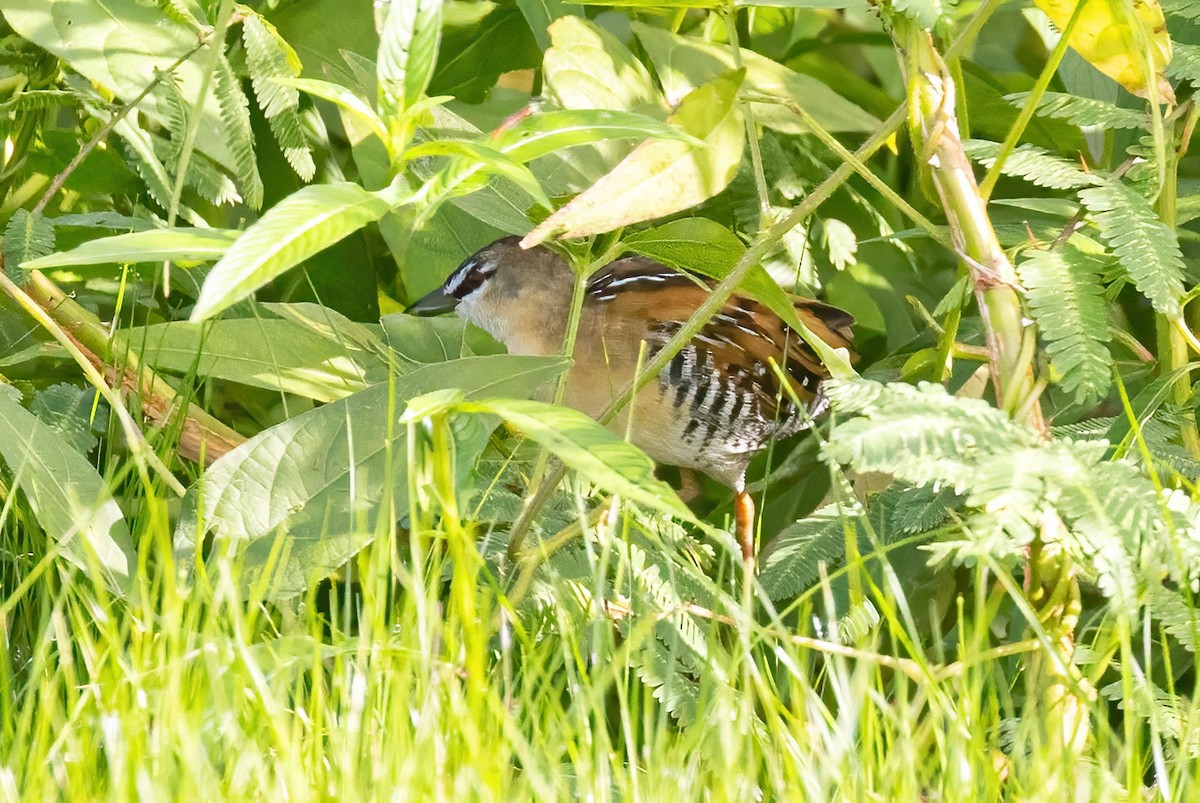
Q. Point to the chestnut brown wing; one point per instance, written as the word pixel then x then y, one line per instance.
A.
pixel 740 342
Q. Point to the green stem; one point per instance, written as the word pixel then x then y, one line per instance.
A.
pixel 1035 97
pixel 1172 342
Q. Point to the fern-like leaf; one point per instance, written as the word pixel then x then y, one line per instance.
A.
pixel 1066 297
pixel 1082 111
pixel 1033 164
pixel 921 435
pixel 268 57
pixel 1147 248
pixel 1177 616
pixel 235 115
pixel 1185 63
pixel 790 562
pixel 27 237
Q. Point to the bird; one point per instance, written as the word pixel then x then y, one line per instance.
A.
pixel 716 404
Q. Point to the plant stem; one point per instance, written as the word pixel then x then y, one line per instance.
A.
pixel 201 437
pixel 1172 338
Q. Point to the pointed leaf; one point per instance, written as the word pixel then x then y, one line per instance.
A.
pixel 299 226
pixel 408 50
pixel 660 178
pixel 154 245
pixel 317 479
pixel 70 500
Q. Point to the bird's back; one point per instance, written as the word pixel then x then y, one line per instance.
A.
pixel 742 380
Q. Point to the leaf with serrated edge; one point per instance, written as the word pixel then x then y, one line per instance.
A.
pixel 317 479
pixel 307 221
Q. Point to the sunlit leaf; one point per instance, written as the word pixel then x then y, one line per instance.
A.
pixel 317 479
pixel 659 178
pixel 181 245
pixel 299 226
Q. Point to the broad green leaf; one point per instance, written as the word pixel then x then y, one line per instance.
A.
pixel 121 45
pixel 299 226
pixel 408 50
pixel 182 245
pixel 431 340
pixel 498 205
pixel 684 63
pixel 587 447
pixel 70 500
pixel 317 480
pixel 304 349
pixel 661 177
pixel 693 243
pixel 540 134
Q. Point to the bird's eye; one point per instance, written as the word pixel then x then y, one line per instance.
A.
pixel 469 277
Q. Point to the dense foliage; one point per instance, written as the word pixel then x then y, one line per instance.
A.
pixel 264 533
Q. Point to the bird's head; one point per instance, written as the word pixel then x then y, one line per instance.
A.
pixel 514 294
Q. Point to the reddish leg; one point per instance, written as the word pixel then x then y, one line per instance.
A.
pixel 743 508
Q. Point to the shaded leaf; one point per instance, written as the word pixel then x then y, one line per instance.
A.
pixel 70 500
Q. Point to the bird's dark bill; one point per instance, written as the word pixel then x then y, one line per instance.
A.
pixel 435 303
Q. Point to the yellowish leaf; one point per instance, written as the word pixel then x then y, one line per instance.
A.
pixel 1124 39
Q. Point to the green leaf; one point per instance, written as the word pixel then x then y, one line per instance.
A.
pixel 791 561
pixel 475 157
pixel 1083 111
pixel 684 63
pixel 317 480
pixel 408 49
pixel 659 178
pixel 1147 248
pixel 235 115
pixel 589 68
pixel 269 58
pixel 587 447
pixel 693 243
pixel 920 434
pixel 1066 297
pixel 1185 63
pixel 303 349
pixel 345 99
pixel 70 500
pixel 299 226
pixel 121 45
pixel 546 132
pixel 1033 164
pixel 541 13
pixel 182 245
pixel 26 238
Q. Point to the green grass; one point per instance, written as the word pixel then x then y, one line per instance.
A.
pixel 416 680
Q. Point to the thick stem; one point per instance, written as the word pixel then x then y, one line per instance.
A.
pixel 200 437
pixel 1053 586
pixel 993 277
